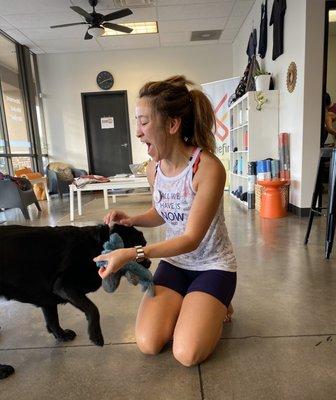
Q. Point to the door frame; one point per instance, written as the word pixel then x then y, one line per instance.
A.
pixel 84 96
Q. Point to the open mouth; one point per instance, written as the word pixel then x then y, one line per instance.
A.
pixel 149 147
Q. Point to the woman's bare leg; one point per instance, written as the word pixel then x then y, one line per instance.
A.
pixel 156 319
pixel 198 328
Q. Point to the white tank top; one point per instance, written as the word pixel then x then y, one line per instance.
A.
pixel 173 197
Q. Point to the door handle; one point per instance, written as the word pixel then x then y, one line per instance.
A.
pixel 124 145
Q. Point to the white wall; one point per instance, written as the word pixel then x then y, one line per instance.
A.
pixel 314 48
pixel 331 75
pixel 303 138
pixel 65 76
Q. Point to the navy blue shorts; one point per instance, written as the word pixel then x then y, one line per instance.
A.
pixel 219 284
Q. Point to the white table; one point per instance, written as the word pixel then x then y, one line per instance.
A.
pixel 43 180
pixel 115 183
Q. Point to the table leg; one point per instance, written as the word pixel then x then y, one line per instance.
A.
pixel 79 202
pixel 46 190
pixel 71 192
pixel 105 199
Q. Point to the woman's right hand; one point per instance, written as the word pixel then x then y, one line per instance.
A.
pixel 119 217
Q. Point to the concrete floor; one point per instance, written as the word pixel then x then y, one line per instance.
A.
pixel 281 343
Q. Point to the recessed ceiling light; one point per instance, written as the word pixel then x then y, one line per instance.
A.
pixel 332 15
pixel 138 28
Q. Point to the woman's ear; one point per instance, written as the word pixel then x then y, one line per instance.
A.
pixel 174 125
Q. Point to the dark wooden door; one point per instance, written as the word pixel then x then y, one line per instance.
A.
pixel 107 132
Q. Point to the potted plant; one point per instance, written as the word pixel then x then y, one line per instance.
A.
pixel 262 80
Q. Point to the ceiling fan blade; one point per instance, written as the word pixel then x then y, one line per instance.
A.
pixel 117 14
pixel 82 12
pixel 73 24
pixel 88 36
pixel 117 27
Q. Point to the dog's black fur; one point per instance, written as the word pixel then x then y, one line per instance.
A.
pixel 47 266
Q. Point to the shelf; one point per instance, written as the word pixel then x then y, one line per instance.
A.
pixel 240 175
pixel 238 127
pixel 239 151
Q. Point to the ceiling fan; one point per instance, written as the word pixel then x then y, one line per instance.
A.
pixel 98 22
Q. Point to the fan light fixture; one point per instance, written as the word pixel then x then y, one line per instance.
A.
pixel 96 31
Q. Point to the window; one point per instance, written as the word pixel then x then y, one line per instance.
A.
pixel 22 134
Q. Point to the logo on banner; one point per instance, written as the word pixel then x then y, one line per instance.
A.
pixel 221 114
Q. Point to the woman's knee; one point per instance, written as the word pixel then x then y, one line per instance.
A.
pixel 149 344
pixel 187 355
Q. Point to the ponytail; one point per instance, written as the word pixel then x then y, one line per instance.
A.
pixel 172 99
pixel 204 121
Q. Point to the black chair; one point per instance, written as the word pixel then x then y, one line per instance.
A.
pixel 326 154
pixel 59 185
pixel 11 196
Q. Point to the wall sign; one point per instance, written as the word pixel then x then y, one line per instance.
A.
pixel 107 122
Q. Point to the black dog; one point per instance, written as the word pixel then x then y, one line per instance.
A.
pixel 47 266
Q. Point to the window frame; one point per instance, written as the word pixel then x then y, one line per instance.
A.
pixel 30 91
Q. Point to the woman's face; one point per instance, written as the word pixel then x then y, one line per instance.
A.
pixel 149 130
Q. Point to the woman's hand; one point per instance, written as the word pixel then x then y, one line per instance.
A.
pixel 119 217
pixel 115 260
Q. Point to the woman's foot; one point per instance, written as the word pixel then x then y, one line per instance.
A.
pixel 229 314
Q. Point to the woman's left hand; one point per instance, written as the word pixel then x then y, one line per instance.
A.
pixel 115 260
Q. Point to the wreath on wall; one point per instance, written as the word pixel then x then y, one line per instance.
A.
pixel 291 77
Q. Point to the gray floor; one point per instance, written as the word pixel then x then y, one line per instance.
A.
pixel 281 343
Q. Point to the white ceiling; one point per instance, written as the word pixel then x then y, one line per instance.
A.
pixel 28 22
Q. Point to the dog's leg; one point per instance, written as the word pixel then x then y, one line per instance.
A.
pixel 5 370
pixel 53 326
pixel 84 304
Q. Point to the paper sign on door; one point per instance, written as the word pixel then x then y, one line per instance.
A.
pixel 107 122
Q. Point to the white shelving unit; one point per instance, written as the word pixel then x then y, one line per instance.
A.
pixel 253 135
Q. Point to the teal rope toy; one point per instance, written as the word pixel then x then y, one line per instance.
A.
pixel 134 272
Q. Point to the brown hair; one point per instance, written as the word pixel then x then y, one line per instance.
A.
pixel 172 99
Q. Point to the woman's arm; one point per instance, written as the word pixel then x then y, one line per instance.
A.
pixel 148 219
pixel 329 122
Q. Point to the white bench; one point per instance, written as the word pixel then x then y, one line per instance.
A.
pixel 114 184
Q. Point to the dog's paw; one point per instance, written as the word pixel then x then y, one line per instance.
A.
pixel 97 339
pixel 66 336
pixel 5 370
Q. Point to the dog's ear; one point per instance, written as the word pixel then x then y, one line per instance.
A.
pixel 130 235
pixel 102 233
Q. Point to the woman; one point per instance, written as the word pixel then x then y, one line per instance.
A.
pixel 196 277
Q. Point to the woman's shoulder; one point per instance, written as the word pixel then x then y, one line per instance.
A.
pixel 209 160
pixel 210 168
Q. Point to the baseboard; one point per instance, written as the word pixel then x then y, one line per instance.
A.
pixel 300 212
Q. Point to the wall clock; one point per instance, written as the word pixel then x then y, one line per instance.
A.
pixel 105 80
pixel 291 77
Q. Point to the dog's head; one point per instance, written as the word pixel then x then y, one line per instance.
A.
pixel 131 237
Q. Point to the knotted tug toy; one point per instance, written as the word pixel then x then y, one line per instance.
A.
pixel 134 272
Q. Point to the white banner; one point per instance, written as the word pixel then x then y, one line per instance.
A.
pixel 219 93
